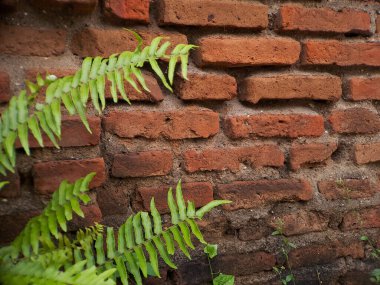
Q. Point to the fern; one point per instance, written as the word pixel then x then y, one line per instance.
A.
pixel 26 272
pixel 132 255
pixel 25 115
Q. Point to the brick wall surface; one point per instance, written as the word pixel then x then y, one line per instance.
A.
pixel 281 115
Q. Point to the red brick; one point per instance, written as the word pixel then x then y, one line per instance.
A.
pixel 226 14
pixel 66 6
pixel 236 264
pixel 114 199
pixel 48 175
pixel 11 190
pixel 155 94
pixel 346 189
pixel 207 86
pixel 12 224
pixel 200 193
pixel 355 121
pixel 288 86
pixel 213 226
pixel 301 222
pixel 74 133
pixel 361 219
pixel 230 158
pixel 341 53
pixel 255 230
pixel 250 194
pixel 182 124
pixel 131 10
pixel 92 215
pixel 310 153
pixel 230 51
pixel 324 253
pixel 104 42
pixel 5 89
pixel 16 40
pixel 142 164
pixel 362 88
pixel 274 125
pixel 300 18
pixel 366 153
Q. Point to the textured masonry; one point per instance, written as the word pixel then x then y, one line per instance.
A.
pixel 280 115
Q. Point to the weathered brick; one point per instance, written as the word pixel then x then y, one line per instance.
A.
pixel 236 264
pixel 230 51
pixel 230 158
pixel 207 86
pixel 227 13
pixel 274 125
pixel 48 175
pixel 66 6
pixel 155 94
pixel 11 190
pixel 104 42
pixel 114 199
pixel 291 86
pixel 364 88
pixel 366 153
pixel 378 24
pixel 254 230
pixel 324 253
pixel 74 133
pixel 346 189
pixel 5 89
pixel 92 215
pixel 310 153
pixel 213 227
pixel 141 164
pixel 300 18
pixel 12 224
pixel 250 194
pixel 131 10
pixel 341 53
pixel 16 40
pixel 361 219
pixel 355 121
pixel 200 193
pixel 301 222
pixel 182 124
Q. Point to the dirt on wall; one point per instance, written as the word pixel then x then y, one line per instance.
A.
pixel 281 115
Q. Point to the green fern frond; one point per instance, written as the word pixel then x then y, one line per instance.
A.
pixel 133 251
pixel 25 115
pixel 43 231
pixel 26 273
pixel 141 240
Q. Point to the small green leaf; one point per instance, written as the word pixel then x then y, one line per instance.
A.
pixel 211 250
pixel 110 241
pixel 207 208
pixel 156 68
pixel 86 66
pixel 153 257
pixel 156 218
pixel 223 279
pixel 173 207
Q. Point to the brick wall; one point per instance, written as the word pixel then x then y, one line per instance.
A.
pixel 281 115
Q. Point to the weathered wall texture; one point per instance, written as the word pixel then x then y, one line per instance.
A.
pixel 281 115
